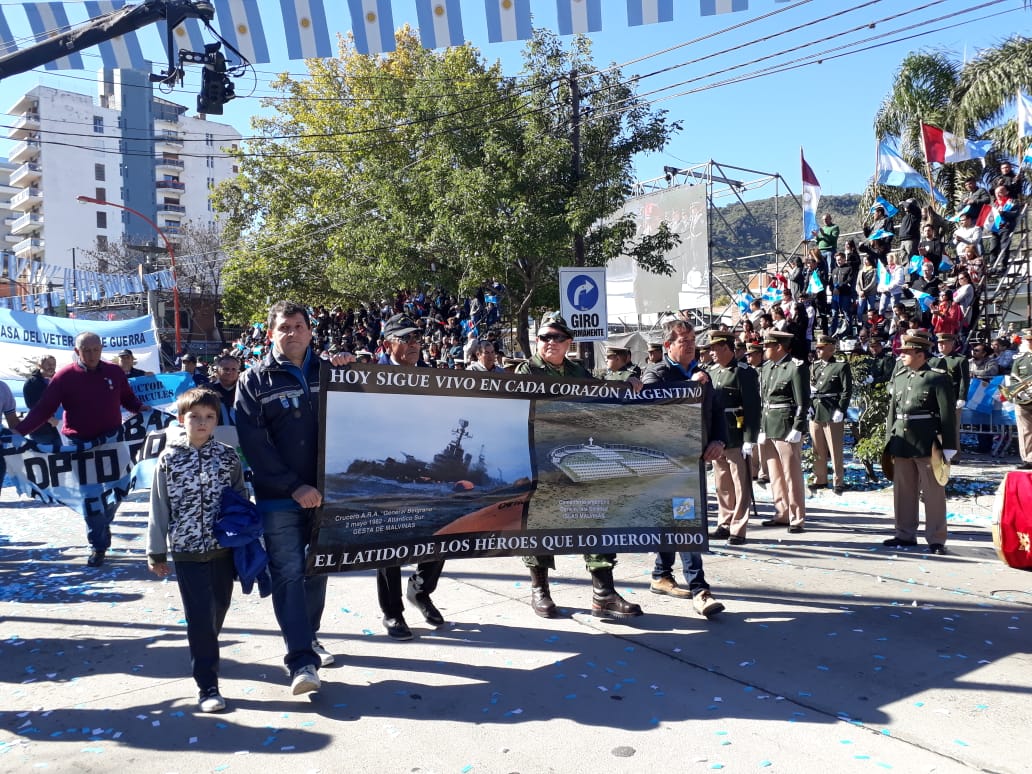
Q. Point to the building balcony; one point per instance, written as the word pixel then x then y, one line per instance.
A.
pixel 26 199
pixel 165 208
pixel 29 248
pixel 168 137
pixel 28 223
pixel 23 125
pixel 27 174
pixel 160 163
pixel 26 150
pixel 13 239
pixel 165 185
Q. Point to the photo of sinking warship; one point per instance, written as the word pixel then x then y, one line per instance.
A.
pixel 450 465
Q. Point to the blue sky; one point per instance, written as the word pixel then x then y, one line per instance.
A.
pixel 758 123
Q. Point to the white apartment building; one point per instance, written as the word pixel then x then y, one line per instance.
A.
pixel 126 147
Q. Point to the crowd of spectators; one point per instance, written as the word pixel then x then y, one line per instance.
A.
pixel 914 268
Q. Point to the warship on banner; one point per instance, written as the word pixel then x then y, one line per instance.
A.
pixel 592 461
pixel 452 464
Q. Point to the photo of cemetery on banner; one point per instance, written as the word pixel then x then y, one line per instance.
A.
pixel 447 465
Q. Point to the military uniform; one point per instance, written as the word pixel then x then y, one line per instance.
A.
pixel 956 367
pixel 738 389
pixel 921 406
pixel 605 601
pixel 785 401
pixel 882 367
pixel 1021 368
pixel 831 384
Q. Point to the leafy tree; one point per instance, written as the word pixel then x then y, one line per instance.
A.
pixel 378 173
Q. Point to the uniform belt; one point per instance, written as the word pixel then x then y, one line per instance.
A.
pixel 732 410
pixel 908 417
pixel 826 394
pixel 781 406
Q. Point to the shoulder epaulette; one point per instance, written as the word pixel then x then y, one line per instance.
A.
pixel 937 370
pixel 797 361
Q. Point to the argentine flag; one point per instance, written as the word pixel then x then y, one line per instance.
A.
pixel 772 295
pixel 982 394
pixel 743 300
pixel 893 170
pixel 815 285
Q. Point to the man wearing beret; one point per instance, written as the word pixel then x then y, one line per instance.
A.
pixel 922 414
pixel 738 388
pixel 785 399
pixel 554 338
pixel 1021 369
pixel 831 384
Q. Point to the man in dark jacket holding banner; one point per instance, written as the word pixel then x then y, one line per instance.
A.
pixel 403 339
pixel 277 411
pixel 679 365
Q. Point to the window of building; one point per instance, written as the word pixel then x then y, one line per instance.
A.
pixel 101 194
pixel 101 220
pixel 98 172
pixel 102 242
pixel 98 124
pixel 209 138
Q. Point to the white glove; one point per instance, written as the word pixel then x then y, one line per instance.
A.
pixel 838 416
pixel 949 454
pixel 961 404
pixel 761 438
pixel 794 436
pixel 869 380
pixel 747 449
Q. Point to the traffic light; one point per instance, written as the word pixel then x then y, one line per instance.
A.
pixel 216 87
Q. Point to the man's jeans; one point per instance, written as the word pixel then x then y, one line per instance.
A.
pixel 298 601
pixel 692 563
pixel 99 516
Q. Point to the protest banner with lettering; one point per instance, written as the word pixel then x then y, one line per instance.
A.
pixel 82 476
pixel 25 337
pixel 420 464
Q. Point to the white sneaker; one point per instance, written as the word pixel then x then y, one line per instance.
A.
pixel 211 701
pixel 325 657
pixel 306 680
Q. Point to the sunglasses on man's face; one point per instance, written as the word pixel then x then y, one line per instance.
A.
pixel 549 338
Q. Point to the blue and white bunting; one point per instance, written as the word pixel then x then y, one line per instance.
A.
pixel 440 23
pixel 8 45
pixel 123 51
pixel 716 7
pixel 641 12
pixel 240 22
pixel 46 19
pixel 372 25
pixel 508 20
pixel 308 34
pixel 578 17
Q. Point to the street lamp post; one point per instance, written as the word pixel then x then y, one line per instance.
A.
pixel 168 247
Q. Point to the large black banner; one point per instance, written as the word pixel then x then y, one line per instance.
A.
pixel 419 464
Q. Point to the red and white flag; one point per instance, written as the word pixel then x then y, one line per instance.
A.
pixel 943 147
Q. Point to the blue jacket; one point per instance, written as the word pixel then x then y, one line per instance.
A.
pixel 277 419
pixel 239 527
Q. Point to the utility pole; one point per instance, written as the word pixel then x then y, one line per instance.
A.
pixel 586 349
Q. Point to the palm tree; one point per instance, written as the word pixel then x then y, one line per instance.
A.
pixel 967 99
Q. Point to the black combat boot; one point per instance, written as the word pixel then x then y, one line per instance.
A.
pixel 540 598
pixel 605 602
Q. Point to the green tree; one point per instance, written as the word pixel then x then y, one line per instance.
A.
pixel 379 173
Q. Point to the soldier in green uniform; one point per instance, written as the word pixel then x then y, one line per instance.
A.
pixel 754 357
pixel 956 367
pixel 785 401
pixel 883 363
pixel 738 389
pixel 618 364
pixel 1021 369
pixel 831 386
pixel 554 338
pixel 922 406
